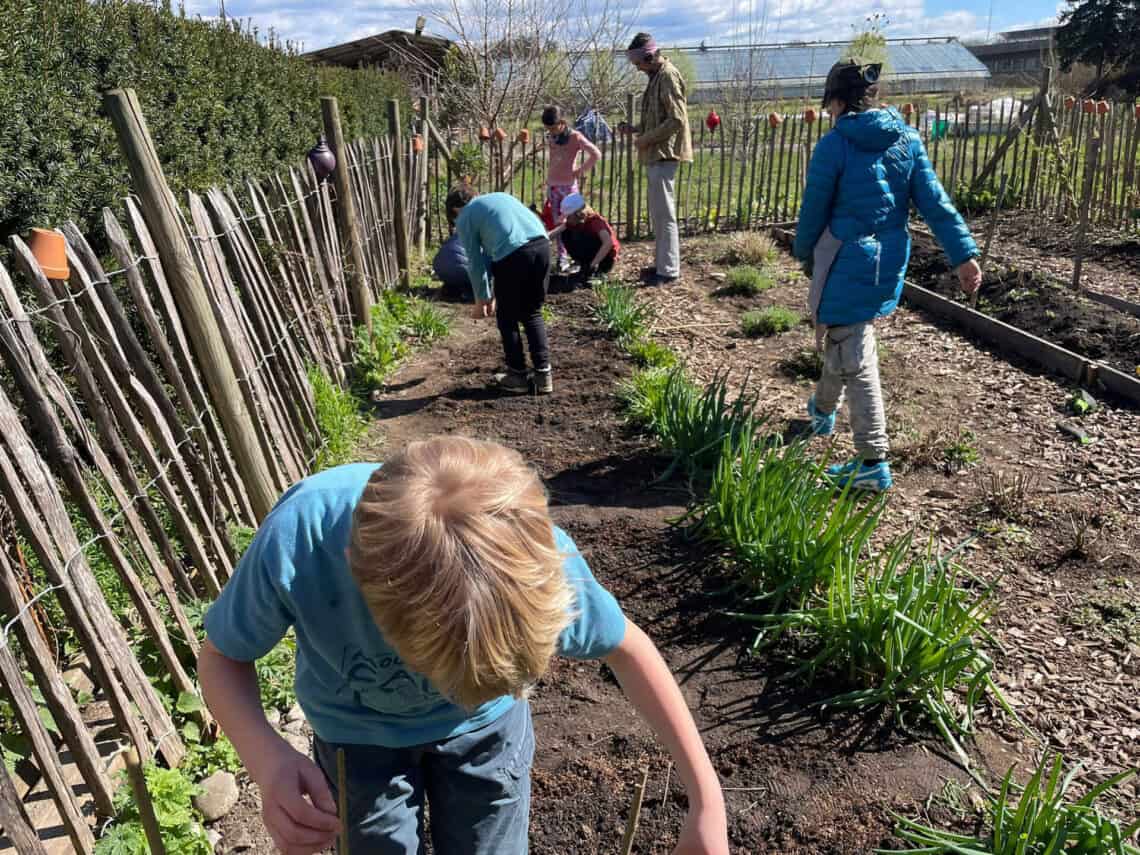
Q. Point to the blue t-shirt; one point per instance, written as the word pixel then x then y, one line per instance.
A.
pixel 491 227
pixel 350 683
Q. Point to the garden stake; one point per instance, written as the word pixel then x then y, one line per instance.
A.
pixel 145 805
pixel 342 801
pixel 634 814
pixel 990 232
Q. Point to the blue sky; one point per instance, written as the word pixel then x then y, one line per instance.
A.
pixel 319 23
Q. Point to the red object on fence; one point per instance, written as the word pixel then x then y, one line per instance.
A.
pixel 524 136
pixel 712 120
pixel 500 134
pixel 1138 111
pixel 809 115
pixel 50 251
pixel 417 143
pixel 1070 102
pixel 1088 106
pixel 774 120
pixel 1102 107
pixel 484 134
pixel 908 109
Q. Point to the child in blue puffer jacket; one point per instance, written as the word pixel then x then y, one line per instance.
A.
pixel 853 238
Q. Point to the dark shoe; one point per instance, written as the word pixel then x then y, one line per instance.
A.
pixel 543 381
pixel 512 381
pixel 648 274
pixel 661 279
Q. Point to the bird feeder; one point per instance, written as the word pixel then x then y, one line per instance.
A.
pixel 484 134
pixel 1088 106
pixel 500 134
pixel 50 251
pixel 417 143
pixel 809 115
pixel 774 120
pixel 1102 107
pixel 322 159
pixel 1070 102
pixel 712 120
pixel 524 136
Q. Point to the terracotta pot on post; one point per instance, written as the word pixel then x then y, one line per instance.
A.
pixel 809 115
pixel 500 134
pixel 1138 111
pixel 1102 107
pixel 417 143
pixel 712 120
pixel 908 109
pixel 50 250
pixel 1088 106
pixel 1070 102
pixel 484 134
pixel 774 120
pixel 524 136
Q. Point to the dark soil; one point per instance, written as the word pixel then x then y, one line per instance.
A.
pixel 1040 304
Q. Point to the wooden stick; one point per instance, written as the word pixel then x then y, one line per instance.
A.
pixel 634 815
pixel 145 805
pixel 158 203
pixel 1086 198
pixel 347 219
pixel 991 230
pixel 398 190
pixel 15 821
pixel 342 800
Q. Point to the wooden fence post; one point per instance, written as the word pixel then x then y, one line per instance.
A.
pixel 346 217
pixel 189 289
pixel 422 226
pixel 1091 157
pixel 14 821
pixel 399 214
pixel 630 225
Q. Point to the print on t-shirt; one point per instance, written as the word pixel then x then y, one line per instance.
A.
pixel 383 684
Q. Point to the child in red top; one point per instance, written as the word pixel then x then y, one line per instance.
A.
pixel 589 238
pixel 565 144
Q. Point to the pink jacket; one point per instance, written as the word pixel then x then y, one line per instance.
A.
pixel 563 157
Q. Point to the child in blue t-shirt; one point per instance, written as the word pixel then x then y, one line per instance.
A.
pixel 427 597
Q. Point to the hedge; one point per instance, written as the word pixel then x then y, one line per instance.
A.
pixel 221 105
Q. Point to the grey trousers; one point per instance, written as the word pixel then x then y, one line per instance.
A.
pixel 663 214
pixel 851 363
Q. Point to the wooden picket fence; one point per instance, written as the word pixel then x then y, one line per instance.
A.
pixel 749 173
pixel 110 425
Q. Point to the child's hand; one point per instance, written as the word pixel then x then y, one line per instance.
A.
pixel 970 276
pixel 484 308
pixel 298 825
pixel 705 832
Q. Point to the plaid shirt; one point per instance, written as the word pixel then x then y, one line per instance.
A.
pixel 665 117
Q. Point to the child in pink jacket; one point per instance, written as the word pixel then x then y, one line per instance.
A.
pixel 564 144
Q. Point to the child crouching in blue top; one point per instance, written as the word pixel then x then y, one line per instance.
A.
pixel 853 237
pixel 427 596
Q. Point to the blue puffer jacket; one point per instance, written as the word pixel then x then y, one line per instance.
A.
pixel 862 178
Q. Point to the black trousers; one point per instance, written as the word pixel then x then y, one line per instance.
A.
pixel 520 290
pixel 583 246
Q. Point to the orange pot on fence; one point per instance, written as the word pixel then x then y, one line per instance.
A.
pixel 50 251
pixel 1088 106
pixel 809 115
pixel 908 109
pixel 1138 111
pixel 524 136
pixel 500 134
pixel 1102 107
pixel 1070 102
pixel 774 120
pixel 417 143
pixel 484 134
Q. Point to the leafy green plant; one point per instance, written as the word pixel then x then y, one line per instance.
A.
pixel 642 397
pixel 427 323
pixel 651 354
pixel 754 248
pixel 620 312
pixel 746 282
pixel 241 536
pixel 981 200
pixel 1041 821
pixel 275 675
pixel 339 418
pixel 962 452
pixel 204 759
pixel 765 505
pixel 902 633
pixel 171 792
pixel 768 321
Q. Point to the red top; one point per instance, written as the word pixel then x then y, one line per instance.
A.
pixel 596 224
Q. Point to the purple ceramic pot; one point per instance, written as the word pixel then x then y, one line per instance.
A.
pixel 322 159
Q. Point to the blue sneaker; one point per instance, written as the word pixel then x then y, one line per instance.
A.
pixel 875 478
pixel 822 424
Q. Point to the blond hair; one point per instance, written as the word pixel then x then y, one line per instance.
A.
pixel 454 552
